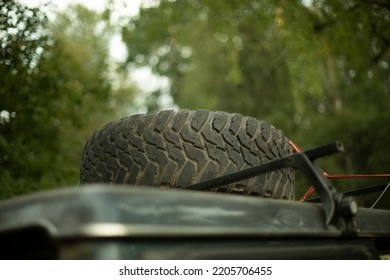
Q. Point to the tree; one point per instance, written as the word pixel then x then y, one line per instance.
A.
pixel 23 40
pixel 55 81
pixel 213 50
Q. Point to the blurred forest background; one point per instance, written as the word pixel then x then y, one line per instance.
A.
pixel 317 69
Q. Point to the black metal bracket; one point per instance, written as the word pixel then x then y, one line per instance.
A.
pixel 339 209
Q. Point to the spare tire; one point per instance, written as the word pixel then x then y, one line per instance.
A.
pixel 177 148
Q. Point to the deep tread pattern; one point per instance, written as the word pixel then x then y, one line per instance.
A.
pixel 177 148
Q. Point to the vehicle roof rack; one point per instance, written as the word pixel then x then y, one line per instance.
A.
pixel 339 209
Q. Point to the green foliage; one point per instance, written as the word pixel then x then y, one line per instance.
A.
pixel 54 80
pixel 22 42
pixel 317 69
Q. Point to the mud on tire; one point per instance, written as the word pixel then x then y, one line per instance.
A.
pixel 177 148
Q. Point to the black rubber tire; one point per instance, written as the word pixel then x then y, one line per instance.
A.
pixel 177 148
